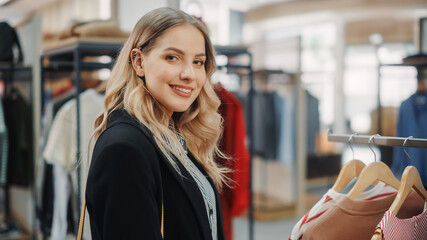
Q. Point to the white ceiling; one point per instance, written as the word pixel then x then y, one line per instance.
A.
pixel 244 5
pixel 19 9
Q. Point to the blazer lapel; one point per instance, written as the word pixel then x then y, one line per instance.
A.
pixel 193 194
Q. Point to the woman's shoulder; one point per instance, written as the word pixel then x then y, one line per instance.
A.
pixel 124 136
pixel 124 128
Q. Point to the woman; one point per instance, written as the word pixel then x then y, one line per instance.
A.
pixel 157 137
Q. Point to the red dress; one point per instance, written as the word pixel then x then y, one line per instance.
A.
pixel 234 199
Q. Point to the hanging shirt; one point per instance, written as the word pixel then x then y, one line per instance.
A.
pixel 61 150
pixel 3 147
pixel 265 131
pixel 392 227
pixel 356 219
pixel 412 121
pixel 287 101
pixel 329 200
pixel 44 179
pixel 313 121
pixel 234 199
pixel 18 118
pixel 234 144
pixel 286 149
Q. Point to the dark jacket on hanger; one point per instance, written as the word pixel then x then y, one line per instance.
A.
pixel 127 178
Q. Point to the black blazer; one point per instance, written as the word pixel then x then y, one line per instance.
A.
pixel 128 176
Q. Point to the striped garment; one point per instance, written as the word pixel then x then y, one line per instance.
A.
pixel 414 228
pixel 205 188
pixel 208 196
pixel 329 199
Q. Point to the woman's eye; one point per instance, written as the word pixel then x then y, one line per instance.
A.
pixel 171 58
pixel 198 62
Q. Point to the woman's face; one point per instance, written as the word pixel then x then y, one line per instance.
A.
pixel 174 68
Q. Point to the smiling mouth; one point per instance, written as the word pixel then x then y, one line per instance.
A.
pixel 184 90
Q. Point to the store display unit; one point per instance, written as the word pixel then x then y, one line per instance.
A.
pixel 76 55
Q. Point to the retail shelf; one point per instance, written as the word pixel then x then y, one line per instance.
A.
pixel 69 66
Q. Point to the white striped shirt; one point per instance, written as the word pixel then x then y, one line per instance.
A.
pixel 206 189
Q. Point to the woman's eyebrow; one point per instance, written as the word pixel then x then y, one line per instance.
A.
pixel 182 52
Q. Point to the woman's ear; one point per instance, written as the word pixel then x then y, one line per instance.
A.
pixel 137 62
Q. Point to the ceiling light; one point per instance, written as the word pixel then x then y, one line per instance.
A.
pixel 4 2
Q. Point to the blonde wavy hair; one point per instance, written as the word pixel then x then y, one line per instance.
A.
pixel 200 125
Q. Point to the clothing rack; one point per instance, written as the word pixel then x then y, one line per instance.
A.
pixel 11 73
pixel 230 52
pixel 72 58
pixel 378 140
pixel 17 78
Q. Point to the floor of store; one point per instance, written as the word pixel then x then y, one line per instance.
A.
pixel 265 230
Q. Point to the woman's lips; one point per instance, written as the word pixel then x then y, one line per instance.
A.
pixel 182 91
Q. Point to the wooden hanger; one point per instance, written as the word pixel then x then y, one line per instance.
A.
pixel 376 171
pixel 349 171
pixel 410 179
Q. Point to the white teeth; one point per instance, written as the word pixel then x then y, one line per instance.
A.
pixel 182 89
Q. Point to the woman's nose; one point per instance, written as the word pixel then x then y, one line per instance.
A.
pixel 187 72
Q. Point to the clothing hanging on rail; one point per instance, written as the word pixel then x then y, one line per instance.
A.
pixel 45 176
pixel 286 149
pixel 18 118
pixel 357 219
pixel 61 151
pixel 392 227
pixel 328 200
pixel 412 122
pixel 3 164
pixel 49 111
pixel 274 123
pixel 285 105
pixel 266 125
pixel 3 147
pixel 234 199
pixel 313 121
pixel 17 170
pixel 353 220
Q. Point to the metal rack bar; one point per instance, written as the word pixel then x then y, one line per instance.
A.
pixel 251 148
pixel 378 140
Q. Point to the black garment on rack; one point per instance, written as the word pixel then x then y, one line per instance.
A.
pixel 266 125
pixel 45 214
pixel 9 41
pixel 4 147
pixel 45 211
pixel 18 121
pixel 313 121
